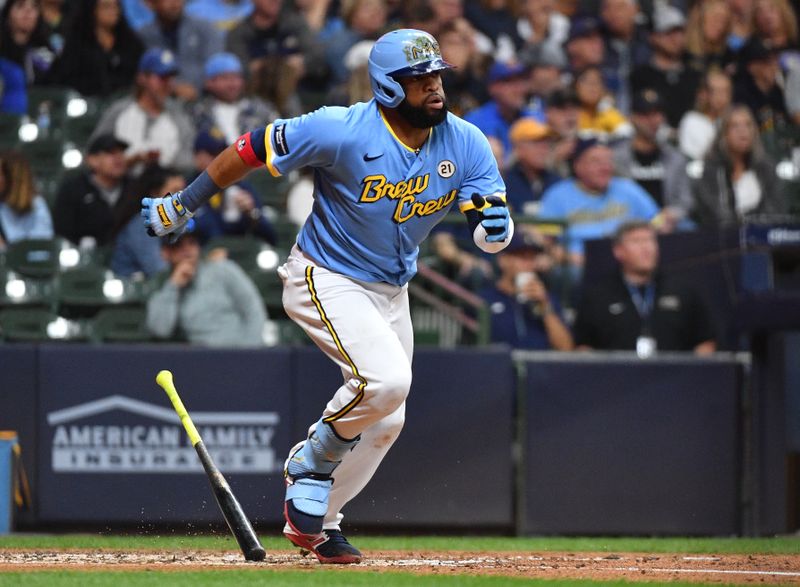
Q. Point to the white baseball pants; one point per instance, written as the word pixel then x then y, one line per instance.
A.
pixel 365 328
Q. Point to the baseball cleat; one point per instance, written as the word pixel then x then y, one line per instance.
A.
pixel 330 547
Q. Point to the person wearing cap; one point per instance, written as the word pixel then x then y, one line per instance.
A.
pixel 100 52
pixel 757 86
pixel 235 210
pixel 279 52
pixel 669 71
pixel 224 105
pixel 85 203
pixel 626 46
pixel 523 314
pixel 594 202
pixel 584 45
pixel 639 308
pixel 530 173
pixel 508 88
pixel 205 302
pixel 192 40
pixel 154 125
pixel 650 160
pixel 561 115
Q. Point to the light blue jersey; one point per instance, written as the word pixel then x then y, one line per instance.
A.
pixel 376 199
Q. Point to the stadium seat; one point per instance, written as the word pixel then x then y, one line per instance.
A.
pixel 270 287
pixel 291 334
pixel 271 190
pixel 121 324
pixel 247 252
pixel 35 257
pixel 85 290
pixel 35 324
pixel 17 290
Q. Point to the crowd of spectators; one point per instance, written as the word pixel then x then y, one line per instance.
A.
pixel 683 114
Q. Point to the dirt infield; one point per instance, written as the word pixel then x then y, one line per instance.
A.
pixel 770 569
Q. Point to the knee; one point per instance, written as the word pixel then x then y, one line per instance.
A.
pixel 392 388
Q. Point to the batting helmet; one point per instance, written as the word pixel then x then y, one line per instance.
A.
pixel 401 53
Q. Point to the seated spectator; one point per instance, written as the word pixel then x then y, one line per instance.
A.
pixel 547 68
pixel 757 86
pixel 154 126
pixel 653 163
pixel 85 202
pixel 593 202
pixel 13 88
pixel 775 24
pixel 358 86
pixel 496 25
pixel 626 47
pixel 224 105
pixel 136 252
pixel 24 40
pixel 224 14
pixel 508 88
pixel 523 313
pixel 192 40
pixel 699 126
pixel 561 114
pixel 364 20
pixel 138 13
pixel 529 175
pixel 211 303
pixel 597 115
pixel 738 179
pixel 101 52
pixel 541 26
pixel 463 84
pixel 23 213
pixel 669 72
pixel 279 51
pixel 236 210
pixel 584 45
pixel 640 308
pixel 741 22
pixel 54 20
pixel 707 30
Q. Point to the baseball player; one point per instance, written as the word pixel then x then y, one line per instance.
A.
pixel 385 172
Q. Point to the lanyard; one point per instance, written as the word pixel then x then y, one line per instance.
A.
pixel 643 303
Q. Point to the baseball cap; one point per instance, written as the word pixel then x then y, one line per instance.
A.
pixel 646 101
pixel 220 63
pixel 105 143
pixel 755 50
pixel 528 129
pixel 667 18
pixel 584 144
pixel 562 98
pixel 581 27
pixel 158 61
pixel 522 241
pixel 211 141
pixel 190 233
pixel 502 71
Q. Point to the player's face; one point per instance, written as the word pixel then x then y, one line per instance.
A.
pixel 424 105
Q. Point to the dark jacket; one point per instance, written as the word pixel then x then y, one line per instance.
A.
pixel 80 210
pixel 714 201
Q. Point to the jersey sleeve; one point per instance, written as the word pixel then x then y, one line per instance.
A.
pixel 309 140
pixel 481 173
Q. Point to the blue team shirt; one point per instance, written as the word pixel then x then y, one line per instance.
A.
pixel 592 216
pixel 376 199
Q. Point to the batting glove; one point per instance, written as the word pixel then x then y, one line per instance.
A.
pixel 165 215
pixel 495 218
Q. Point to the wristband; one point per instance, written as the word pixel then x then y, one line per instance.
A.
pixel 199 192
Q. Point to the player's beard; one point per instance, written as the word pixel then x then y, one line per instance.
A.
pixel 418 117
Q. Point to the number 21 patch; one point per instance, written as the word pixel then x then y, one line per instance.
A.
pixel 446 168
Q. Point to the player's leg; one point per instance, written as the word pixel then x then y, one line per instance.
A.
pixel 348 322
pixel 359 465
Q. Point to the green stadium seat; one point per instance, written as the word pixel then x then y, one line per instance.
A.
pixel 291 334
pixel 9 130
pixel 271 190
pixel 35 324
pixel 35 257
pixel 85 290
pixel 121 324
pixel 248 252
pixel 270 287
pixel 17 290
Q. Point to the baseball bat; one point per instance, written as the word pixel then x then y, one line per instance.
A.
pixel 231 509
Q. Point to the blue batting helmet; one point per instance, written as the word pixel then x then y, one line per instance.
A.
pixel 401 53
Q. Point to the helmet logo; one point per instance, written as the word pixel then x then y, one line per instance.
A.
pixel 422 49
